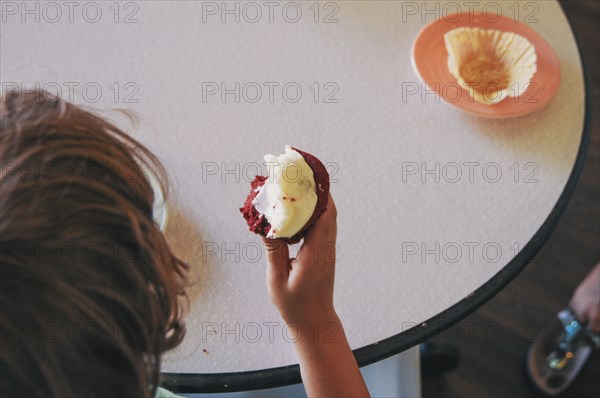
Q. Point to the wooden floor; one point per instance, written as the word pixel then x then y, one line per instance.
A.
pixel 494 339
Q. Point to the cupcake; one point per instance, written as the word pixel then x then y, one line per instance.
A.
pixel 285 204
pixel 491 65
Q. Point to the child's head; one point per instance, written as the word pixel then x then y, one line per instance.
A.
pixel 88 285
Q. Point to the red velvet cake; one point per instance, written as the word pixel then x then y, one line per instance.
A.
pixel 259 222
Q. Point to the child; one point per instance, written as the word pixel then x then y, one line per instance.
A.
pixel 91 292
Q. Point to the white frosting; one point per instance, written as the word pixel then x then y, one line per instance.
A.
pixel 288 197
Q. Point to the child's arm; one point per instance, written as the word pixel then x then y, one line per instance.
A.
pixel 302 291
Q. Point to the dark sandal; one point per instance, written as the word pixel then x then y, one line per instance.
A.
pixel 557 356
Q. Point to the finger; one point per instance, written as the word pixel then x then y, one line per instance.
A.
pixel 278 261
pixel 320 239
pixel 325 228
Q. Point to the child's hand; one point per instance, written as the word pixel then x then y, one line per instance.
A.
pixel 302 291
pixel 302 288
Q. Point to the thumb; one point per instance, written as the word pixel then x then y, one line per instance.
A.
pixel 278 261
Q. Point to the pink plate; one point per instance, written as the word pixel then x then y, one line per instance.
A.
pixel 430 62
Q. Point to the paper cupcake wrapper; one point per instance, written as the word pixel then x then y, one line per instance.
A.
pixel 490 64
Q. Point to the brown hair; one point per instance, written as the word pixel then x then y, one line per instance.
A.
pixel 89 288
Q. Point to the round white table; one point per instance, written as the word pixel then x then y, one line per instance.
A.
pixel 438 209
